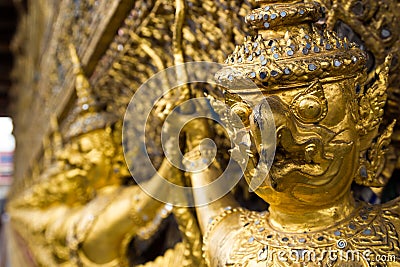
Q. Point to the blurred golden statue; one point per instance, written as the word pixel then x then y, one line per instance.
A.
pixel 80 214
pixel 73 201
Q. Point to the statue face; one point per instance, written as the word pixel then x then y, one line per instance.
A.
pixel 317 144
pixel 92 153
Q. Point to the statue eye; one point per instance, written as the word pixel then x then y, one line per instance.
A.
pixel 309 108
pixel 243 111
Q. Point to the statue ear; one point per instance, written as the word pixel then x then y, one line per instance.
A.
pixel 372 160
pixel 371 103
pixel 373 145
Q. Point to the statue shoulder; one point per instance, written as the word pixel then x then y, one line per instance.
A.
pixel 390 216
pixel 392 207
pixel 379 238
pixel 228 242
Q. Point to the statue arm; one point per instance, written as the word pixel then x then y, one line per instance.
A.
pixel 130 211
pixel 207 212
pixel 219 221
pixel 98 231
pixel 196 131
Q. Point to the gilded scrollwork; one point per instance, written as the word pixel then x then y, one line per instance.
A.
pixel 74 202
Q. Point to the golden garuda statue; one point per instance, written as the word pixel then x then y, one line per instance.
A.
pixel 327 112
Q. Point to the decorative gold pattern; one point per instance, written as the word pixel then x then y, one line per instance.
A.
pixel 80 61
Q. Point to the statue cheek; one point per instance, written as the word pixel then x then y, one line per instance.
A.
pixel 336 110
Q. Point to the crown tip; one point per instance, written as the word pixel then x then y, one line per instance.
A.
pixel 288 48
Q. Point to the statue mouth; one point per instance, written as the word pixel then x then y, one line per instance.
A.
pixel 306 153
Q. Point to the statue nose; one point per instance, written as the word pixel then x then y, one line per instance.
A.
pixel 276 110
pixel 269 117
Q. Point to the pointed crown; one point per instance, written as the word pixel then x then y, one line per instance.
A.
pixel 89 113
pixel 287 49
